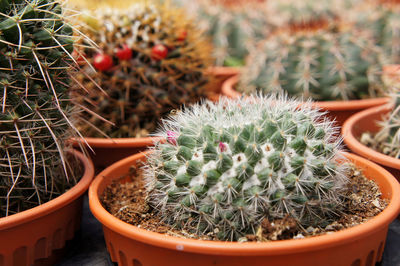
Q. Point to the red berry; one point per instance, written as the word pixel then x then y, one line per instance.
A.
pixel 102 62
pixel 79 57
pixel 181 36
pixel 159 52
pixel 124 53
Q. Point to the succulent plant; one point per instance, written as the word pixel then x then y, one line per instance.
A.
pixel 226 166
pixel 383 16
pixel 232 27
pixel 323 61
pixel 36 115
pixel 150 60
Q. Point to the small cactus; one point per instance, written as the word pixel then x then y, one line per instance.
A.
pixel 226 166
pixel 324 61
pixel 232 26
pixel 36 115
pixel 151 60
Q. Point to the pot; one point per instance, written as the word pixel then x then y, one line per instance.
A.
pixel 338 110
pixel 105 152
pixel 220 74
pixel 360 245
pixel 366 121
pixel 32 235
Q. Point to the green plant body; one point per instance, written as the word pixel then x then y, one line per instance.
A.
pixel 226 166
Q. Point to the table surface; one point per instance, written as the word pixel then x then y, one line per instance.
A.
pixel 88 247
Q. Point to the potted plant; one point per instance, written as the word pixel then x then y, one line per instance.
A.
pixel 42 180
pixel 150 60
pixel 315 56
pixel 374 133
pixel 232 171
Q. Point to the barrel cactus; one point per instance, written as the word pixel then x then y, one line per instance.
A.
pixel 150 60
pixel 232 26
pixel 227 166
pixel 36 115
pixel 322 61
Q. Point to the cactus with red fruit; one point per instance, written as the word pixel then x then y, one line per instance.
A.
pixel 150 60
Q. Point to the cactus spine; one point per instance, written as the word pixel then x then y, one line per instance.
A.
pixel 151 60
pixel 228 165
pixel 35 114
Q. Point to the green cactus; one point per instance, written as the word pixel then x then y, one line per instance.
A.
pixel 151 60
pixel 232 28
pixel 387 140
pixel 325 62
pixel 226 166
pixel 383 16
pixel 36 116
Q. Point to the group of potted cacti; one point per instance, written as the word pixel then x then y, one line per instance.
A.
pixel 247 178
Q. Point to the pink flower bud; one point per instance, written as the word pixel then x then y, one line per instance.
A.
pixel 222 147
pixel 171 137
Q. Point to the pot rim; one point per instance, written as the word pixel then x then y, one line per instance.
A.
pixel 224 71
pixel 245 249
pixel 354 144
pixel 114 142
pixel 57 203
pixel 228 90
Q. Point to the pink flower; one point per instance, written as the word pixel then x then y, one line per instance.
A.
pixel 171 137
pixel 222 146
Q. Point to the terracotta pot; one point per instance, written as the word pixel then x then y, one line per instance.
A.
pixel 366 121
pixel 220 74
pixel 34 234
pixel 339 110
pixel 105 152
pixel 360 245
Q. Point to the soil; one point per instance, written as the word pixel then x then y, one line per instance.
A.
pixel 126 199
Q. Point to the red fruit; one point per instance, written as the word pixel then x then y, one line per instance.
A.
pixel 159 52
pixel 181 36
pixel 124 53
pixel 79 58
pixel 102 62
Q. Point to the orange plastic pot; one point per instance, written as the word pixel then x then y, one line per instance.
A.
pixel 366 121
pixel 105 152
pixel 32 235
pixel 220 75
pixel 360 245
pixel 338 110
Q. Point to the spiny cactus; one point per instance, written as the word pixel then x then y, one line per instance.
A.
pixel 325 62
pixel 36 116
pixel 151 60
pixel 383 16
pixel 232 27
pixel 228 165
pixel 387 140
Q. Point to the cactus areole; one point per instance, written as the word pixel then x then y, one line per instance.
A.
pixel 227 166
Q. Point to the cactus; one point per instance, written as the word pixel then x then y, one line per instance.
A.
pixel 151 60
pixel 387 140
pixel 226 166
pixel 232 27
pixel 36 115
pixel 383 16
pixel 322 61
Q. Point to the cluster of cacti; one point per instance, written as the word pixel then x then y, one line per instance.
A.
pixel 323 61
pixel 232 27
pixel 228 165
pixel 150 60
pixel 35 114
